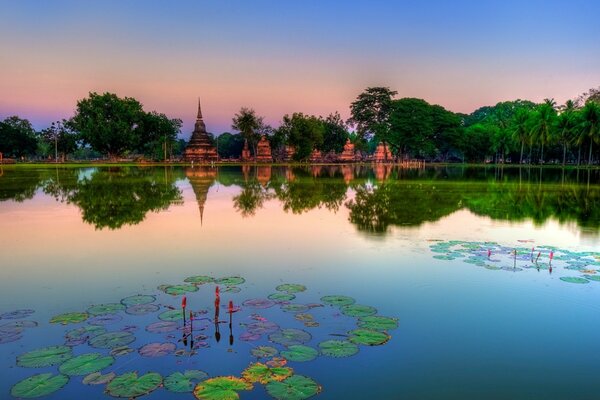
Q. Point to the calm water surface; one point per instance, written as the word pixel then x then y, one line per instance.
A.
pixel 74 238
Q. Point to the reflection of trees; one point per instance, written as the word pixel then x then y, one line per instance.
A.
pixel 19 185
pixel 251 198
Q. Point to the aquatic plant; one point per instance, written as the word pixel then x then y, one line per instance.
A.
pixel 85 364
pixel 138 299
pixel 338 348
pixel 377 323
pixel 357 310
pixel 38 386
pixel 179 382
pixel 45 357
pixel 264 351
pixel 338 300
pixel 368 337
pixel 110 340
pixel 296 387
pixel 300 353
pixel 130 385
pixel 290 337
pixel 69 318
pixel 221 388
pixel 258 372
pixel 157 349
pixel 291 288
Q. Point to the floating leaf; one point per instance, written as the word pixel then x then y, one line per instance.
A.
pixel 378 323
pixel 221 388
pixel 184 382
pixel 300 353
pixel 38 386
pixel 177 290
pixel 231 289
pixel 258 303
pixel 338 348
pixel 297 387
pixel 290 337
pixel 84 334
pixel 105 319
pixel 199 279
pixel 294 308
pixel 171 315
pixel 303 317
pixel 97 378
pixel 162 327
pixel 264 374
pixel 157 349
pixel 138 300
pixel 17 314
pixel 368 337
pixel 264 351
pixel 276 362
pixel 282 297
pixel 595 278
pixel 262 327
pixel 443 257
pixel 9 337
pixel 121 351
pixel 45 357
pixel 85 364
pixel 357 310
pixel 338 300
pixel 311 324
pixel 17 326
pixel 69 318
pixel 249 337
pixel 142 309
pixel 110 340
pixel 110 308
pixel 230 281
pixel 291 288
pixel 574 279
pixel 130 385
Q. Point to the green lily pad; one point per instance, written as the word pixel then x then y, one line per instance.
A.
pixel 368 337
pixel 85 364
pixel 96 378
pixel 85 332
pixel 129 385
pixel 45 357
pixel 121 351
pixel 443 257
pixel 264 352
pixel 337 300
pixel 137 300
pixel 378 323
pixel 261 373
pixel 221 388
pixel 300 353
pixel 574 279
pixel 230 281
pixel 110 340
pixel 595 278
pixel 290 337
pixel 177 290
pixel 142 309
pixel 199 279
pixel 338 348
pixel 157 349
pixel 171 315
pixel 279 297
pixel 100 309
pixel 184 382
pixel 357 310
pixel 69 318
pixel 38 386
pixel 297 387
pixel 294 308
pixel 290 288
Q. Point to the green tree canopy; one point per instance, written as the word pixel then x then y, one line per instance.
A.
pixel 370 114
pixel 304 132
pixel 17 137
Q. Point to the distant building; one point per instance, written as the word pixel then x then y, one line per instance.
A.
pixel 200 148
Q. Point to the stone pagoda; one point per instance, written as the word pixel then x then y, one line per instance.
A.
pixel 316 156
pixel 382 153
pixel 348 154
pixel 200 148
pixel 289 152
pixel 201 179
pixel 263 150
pixel 246 152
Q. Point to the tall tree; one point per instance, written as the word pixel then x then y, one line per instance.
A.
pixel 370 114
pixel 160 134
pixel 543 125
pixel 520 129
pixel 565 127
pixel 335 133
pixel 304 132
pixel 590 124
pixel 248 124
pixel 60 138
pixel 17 137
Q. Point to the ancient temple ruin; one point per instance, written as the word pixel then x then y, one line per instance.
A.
pixel 383 153
pixel 200 148
pixel 246 152
pixel 263 150
pixel 348 155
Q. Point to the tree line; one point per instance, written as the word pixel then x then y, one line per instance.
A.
pixel 519 131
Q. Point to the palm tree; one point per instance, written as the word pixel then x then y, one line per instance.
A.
pixel 520 128
pixel 590 125
pixel 247 123
pixel 543 124
pixel 565 126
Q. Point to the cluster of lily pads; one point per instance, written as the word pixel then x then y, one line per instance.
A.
pixel 283 345
pixel 13 325
pixel 493 256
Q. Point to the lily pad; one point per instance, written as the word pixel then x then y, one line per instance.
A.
pixel 85 364
pixel 84 333
pixel 17 326
pixel 230 281
pixel 595 278
pixel 184 382
pixel 338 300
pixel 249 337
pixel 38 386
pixel 259 372
pixel 221 388
pixel 9 337
pixel 69 318
pixel 264 351
pixel 157 349
pixel 368 337
pixel 137 300
pixel 110 340
pixel 177 290
pixel 129 385
pixel 17 314
pixel 290 337
pixel 231 289
pixel 262 327
pixel 357 310
pixel 162 327
pixel 96 378
pixel 297 387
pixel 171 315
pixel 199 279
pixel 258 303
pixel 338 348
pixel 279 297
pixel 105 319
pixel 121 351
pixel 304 317
pixel 291 288
pixel 142 309
pixel 300 353
pixel 574 279
pixel 45 357
pixel 110 308
pixel 378 323
pixel 295 308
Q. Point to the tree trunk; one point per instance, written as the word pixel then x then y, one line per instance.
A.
pixel 590 158
pixel 564 153
pixel 530 151
pixel 522 146
pixel 542 154
pixel 579 155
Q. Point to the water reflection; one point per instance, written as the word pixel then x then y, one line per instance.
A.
pixel 375 198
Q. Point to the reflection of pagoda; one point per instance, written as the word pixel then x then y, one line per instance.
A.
pixel 200 147
pixel 201 179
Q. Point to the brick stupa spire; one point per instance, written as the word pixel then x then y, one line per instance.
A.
pixel 200 148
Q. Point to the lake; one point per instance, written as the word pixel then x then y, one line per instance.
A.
pixel 486 280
